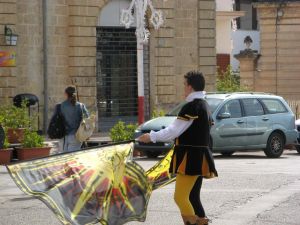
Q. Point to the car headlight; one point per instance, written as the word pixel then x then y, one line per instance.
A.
pixel 138 129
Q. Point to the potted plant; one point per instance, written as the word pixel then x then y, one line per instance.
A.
pixel 122 132
pixel 16 121
pixel 5 153
pixel 32 146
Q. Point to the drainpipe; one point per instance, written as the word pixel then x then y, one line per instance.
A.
pixel 45 66
pixel 279 15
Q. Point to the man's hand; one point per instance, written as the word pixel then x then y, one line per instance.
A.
pixel 145 138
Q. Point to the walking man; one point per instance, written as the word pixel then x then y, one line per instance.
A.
pixel 192 159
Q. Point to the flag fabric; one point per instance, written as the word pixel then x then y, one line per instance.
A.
pixel 99 185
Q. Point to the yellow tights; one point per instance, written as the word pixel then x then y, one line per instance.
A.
pixel 183 188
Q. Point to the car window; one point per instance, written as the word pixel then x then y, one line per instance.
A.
pixel 253 107
pixel 233 107
pixel 176 110
pixel 212 102
pixel 274 106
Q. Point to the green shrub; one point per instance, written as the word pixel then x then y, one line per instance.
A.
pixel 229 82
pixel 6 143
pixel 14 117
pixel 158 113
pixel 33 140
pixel 122 132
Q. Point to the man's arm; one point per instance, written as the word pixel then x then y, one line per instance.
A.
pixel 173 131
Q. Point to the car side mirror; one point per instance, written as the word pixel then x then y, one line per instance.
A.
pixel 224 116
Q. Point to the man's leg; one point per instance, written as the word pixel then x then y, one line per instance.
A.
pixel 195 198
pixel 183 188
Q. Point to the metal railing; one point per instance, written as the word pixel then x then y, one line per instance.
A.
pixel 295 107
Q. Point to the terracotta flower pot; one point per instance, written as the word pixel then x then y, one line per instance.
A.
pixel 32 153
pixel 15 135
pixel 5 156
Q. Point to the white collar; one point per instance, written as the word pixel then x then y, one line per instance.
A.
pixel 195 95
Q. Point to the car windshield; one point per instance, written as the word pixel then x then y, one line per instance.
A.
pixel 212 102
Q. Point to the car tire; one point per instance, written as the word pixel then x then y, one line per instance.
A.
pixel 153 155
pixel 298 149
pixel 227 154
pixel 275 146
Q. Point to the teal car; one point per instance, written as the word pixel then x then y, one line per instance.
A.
pixel 243 122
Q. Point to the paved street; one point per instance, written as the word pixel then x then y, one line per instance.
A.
pixel 250 190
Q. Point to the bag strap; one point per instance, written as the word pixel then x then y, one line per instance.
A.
pixel 59 112
pixel 58 108
pixel 82 113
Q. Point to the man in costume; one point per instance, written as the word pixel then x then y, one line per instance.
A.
pixel 192 159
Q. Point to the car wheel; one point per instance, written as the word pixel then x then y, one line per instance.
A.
pixel 227 154
pixel 153 155
pixel 298 149
pixel 275 146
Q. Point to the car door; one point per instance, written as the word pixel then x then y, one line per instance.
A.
pixel 229 133
pixel 258 123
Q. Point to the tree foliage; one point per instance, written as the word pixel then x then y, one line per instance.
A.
pixel 122 132
pixel 229 82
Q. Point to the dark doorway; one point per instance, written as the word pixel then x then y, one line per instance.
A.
pixel 116 76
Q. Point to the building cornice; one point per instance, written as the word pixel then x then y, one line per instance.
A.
pixel 230 14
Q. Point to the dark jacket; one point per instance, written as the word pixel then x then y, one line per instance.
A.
pixel 73 115
pixel 192 154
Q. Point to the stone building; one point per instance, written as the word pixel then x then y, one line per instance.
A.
pixel 98 55
pixel 276 68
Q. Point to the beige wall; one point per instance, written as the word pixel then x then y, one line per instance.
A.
pixel 281 75
pixel 185 42
pixel 30 42
pixel 8 75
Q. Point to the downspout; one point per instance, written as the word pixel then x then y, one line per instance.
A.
pixel 45 67
pixel 279 15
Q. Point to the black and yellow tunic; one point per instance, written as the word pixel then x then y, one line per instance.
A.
pixel 192 155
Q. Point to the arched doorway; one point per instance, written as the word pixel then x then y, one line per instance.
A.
pixel 116 68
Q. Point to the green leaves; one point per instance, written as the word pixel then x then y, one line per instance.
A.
pixel 6 143
pixel 14 117
pixel 122 132
pixel 33 140
pixel 158 113
pixel 229 82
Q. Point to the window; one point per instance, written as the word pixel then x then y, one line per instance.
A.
pixel 274 106
pixel 233 107
pixel 253 107
pixel 213 104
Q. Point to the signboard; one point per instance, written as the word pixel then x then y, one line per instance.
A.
pixel 7 58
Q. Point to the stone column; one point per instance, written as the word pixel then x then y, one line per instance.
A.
pixel 248 66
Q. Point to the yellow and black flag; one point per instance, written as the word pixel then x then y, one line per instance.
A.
pixel 100 185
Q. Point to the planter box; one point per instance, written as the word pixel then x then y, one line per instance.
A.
pixel 15 136
pixel 33 153
pixel 5 156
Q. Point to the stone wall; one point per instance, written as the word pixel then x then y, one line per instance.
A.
pixel 58 51
pixel 8 75
pixel 83 17
pixel 185 42
pixel 207 41
pixel 29 48
pixel 278 66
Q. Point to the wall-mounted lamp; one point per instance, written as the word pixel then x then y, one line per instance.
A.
pixel 280 12
pixel 10 38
